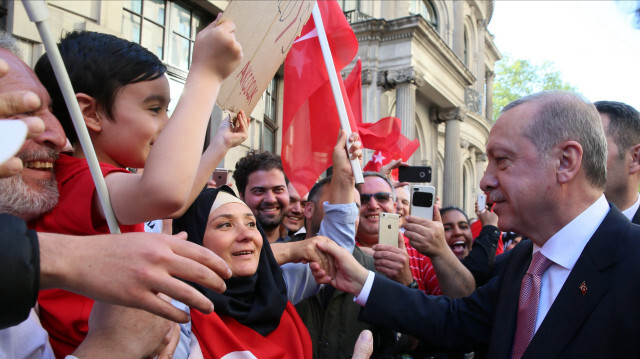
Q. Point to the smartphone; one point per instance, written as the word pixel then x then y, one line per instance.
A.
pixel 388 228
pixel 422 200
pixel 482 202
pixel 220 176
pixel 414 174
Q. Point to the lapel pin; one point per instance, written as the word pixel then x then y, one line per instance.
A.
pixel 583 288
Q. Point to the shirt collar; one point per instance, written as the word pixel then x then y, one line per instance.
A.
pixel 564 247
pixel 631 211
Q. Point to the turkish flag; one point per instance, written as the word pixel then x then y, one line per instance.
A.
pixel 310 118
pixel 353 86
pixel 386 138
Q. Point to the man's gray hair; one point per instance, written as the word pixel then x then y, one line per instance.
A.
pixel 563 116
pixel 9 43
pixel 376 174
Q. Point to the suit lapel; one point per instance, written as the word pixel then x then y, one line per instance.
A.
pixel 571 307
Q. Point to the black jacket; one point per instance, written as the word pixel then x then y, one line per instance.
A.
pixel 20 267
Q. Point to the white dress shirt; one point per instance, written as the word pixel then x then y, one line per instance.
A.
pixel 631 211
pixel 564 248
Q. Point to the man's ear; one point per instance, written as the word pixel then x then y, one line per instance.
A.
pixel 570 158
pixel 634 166
pixel 308 210
pixel 90 112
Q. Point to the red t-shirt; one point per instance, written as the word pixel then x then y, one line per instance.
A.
pixel 63 314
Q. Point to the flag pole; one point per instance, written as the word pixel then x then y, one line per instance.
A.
pixel 39 15
pixel 335 87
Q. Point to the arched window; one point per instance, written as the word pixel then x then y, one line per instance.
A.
pixel 426 9
pixel 466 47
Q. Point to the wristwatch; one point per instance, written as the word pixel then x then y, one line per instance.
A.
pixel 413 284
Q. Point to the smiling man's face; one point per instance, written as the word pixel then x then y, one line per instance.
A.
pixel 34 191
pixel 267 196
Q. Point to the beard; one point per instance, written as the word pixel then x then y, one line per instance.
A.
pixel 269 223
pixel 29 201
pixel 21 200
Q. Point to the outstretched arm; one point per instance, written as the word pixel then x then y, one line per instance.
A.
pixel 230 134
pixel 169 177
pixel 130 269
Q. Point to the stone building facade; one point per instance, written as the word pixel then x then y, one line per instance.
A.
pixel 428 62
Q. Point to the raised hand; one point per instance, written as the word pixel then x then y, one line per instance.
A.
pixel 216 49
pixel 427 236
pixel 231 133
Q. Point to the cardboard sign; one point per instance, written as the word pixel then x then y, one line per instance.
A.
pixel 266 30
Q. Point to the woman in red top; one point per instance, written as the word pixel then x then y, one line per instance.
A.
pixel 253 316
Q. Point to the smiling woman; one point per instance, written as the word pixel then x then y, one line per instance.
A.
pixel 253 314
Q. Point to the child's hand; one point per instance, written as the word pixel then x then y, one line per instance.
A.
pixel 231 136
pixel 216 50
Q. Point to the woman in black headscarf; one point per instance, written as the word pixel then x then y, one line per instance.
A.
pixel 253 314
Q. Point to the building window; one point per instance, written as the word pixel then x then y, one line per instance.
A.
pixel 270 116
pixel 145 22
pixel 466 47
pixel 185 24
pixel 349 5
pixel 426 9
pixel 4 12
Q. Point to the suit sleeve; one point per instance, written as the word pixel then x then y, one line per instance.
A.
pixel 20 265
pixel 482 255
pixel 440 321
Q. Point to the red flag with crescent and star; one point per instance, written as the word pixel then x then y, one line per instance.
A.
pixel 310 121
pixel 386 139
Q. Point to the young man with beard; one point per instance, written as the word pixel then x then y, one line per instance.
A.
pixel 262 186
pixel 622 127
pixel 130 271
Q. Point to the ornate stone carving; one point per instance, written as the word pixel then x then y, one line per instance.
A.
pixel 454 113
pixel 367 76
pixel 464 144
pixel 481 157
pixel 473 100
pixel 390 78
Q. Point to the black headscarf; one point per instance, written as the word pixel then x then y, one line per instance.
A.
pixel 257 301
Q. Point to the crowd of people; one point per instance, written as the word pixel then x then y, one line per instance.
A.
pixel 254 269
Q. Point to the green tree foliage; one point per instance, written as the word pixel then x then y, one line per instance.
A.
pixel 518 78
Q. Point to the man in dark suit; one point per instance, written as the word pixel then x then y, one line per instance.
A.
pixel 622 127
pixel 546 174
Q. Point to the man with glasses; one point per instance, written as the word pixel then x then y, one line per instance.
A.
pixel 404 264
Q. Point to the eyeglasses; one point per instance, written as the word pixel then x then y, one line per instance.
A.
pixel 381 197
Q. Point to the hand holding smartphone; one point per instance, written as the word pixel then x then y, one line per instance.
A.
pixel 388 227
pixel 418 174
pixel 482 202
pixel 220 176
pixel 422 200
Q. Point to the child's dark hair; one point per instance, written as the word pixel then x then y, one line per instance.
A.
pixel 99 65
